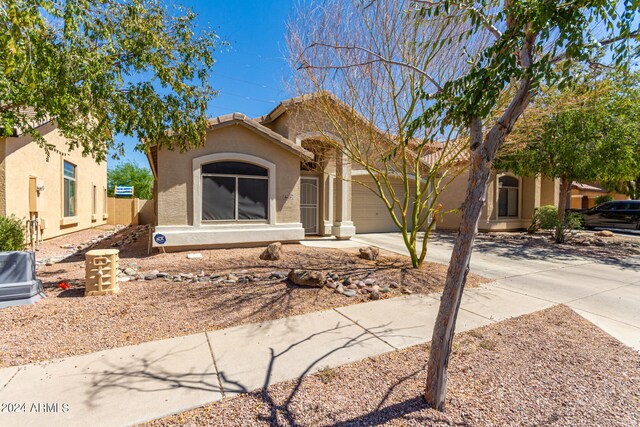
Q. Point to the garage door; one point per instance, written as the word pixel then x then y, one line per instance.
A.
pixel 368 211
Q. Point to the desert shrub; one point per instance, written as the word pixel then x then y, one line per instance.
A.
pixel 574 220
pixel 544 218
pixel 603 199
pixel 12 232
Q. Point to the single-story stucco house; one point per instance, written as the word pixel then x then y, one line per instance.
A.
pixel 64 192
pixel 268 179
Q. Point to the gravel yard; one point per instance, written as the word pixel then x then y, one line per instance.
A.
pixel 599 246
pixel 547 368
pixel 67 323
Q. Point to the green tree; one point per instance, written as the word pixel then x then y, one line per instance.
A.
pixel 105 67
pixel 590 132
pixel 512 48
pixel 130 173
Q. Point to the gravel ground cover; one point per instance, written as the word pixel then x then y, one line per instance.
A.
pixel 550 368
pixel 598 246
pixel 67 323
pixel 68 244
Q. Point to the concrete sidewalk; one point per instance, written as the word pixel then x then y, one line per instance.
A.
pixel 133 384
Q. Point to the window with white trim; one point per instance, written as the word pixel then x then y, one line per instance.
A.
pixel 69 190
pixel 508 195
pixel 234 191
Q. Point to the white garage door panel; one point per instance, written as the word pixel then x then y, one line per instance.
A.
pixel 368 212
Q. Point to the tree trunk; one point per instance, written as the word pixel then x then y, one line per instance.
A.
pixel 483 152
pixel 565 188
pixel 443 331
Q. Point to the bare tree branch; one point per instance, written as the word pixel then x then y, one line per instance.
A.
pixel 379 58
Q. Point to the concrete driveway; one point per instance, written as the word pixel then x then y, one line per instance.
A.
pixel 606 293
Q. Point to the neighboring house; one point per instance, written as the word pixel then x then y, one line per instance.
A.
pixel 273 178
pixel 584 195
pixel 65 192
pixel 510 200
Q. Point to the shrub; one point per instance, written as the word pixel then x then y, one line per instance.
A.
pixel 544 218
pixel 603 199
pixel 12 234
pixel 574 220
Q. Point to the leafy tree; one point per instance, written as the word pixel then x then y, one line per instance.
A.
pixel 104 67
pixel 590 132
pixel 130 173
pixel 513 47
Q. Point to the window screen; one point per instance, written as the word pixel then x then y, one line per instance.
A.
pixel 234 191
pixel 234 168
pixel 218 198
pixel 253 197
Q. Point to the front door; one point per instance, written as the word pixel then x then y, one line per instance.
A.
pixel 309 204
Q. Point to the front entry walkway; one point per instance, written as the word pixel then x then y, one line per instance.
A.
pixel 128 385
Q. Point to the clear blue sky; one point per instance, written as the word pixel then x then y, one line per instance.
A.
pixel 251 72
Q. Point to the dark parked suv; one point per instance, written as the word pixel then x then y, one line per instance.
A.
pixel 616 214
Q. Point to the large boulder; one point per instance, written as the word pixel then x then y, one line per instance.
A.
pixel 273 252
pixel 604 233
pixel 309 278
pixel 371 253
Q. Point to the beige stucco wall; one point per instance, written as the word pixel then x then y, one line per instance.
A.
pixel 175 170
pixel 549 192
pixel 25 159
pixel 451 198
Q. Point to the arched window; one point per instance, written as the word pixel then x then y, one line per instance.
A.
pixel 508 188
pixel 234 191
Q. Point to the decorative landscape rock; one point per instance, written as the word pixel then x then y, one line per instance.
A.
pixel 194 256
pixel 375 295
pixel 349 293
pixel 130 271
pixel 309 278
pixel 340 289
pixel 371 253
pixel 273 252
pixel 604 233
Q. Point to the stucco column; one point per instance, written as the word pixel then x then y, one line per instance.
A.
pixel 327 211
pixel 343 227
